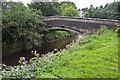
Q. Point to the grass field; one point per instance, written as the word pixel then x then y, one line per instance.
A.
pixel 97 57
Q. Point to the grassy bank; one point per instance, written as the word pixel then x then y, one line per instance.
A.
pixel 95 58
pixel 92 57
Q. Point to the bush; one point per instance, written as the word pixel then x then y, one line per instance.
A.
pixel 19 21
pixel 118 30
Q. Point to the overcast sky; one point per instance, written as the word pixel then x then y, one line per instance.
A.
pixel 80 3
pixel 86 3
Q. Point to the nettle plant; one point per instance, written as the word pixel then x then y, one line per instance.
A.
pixel 40 63
pixel 102 30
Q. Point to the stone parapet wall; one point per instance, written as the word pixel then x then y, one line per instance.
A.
pixel 78 18
pixel 81 22
pixel 78 23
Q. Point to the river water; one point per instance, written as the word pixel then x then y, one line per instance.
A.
pixel 13 59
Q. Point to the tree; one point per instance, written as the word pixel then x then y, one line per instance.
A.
pixel 118 9
pixel 106 5
pixel 70 11
pixel 68 4
pixel 47 8
pixel 86 14
pixel 19 21
pixel 91 10
pixel 91 6
pixel 110 12
pixel 101 7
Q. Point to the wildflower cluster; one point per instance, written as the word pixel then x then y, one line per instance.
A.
pixel 28 69
pixel 24 70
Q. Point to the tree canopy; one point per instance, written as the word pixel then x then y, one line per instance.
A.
pixel 109 11
pixel 69 9
pixel 55 8
pixel 19 21
pixel 47 8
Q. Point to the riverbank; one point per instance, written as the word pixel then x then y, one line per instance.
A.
pixel 24 45
pixel 46 47
pixel 95 56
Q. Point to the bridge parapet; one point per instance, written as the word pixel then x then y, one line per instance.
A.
pixel 81 23
pixel 91 20
pixel 77 18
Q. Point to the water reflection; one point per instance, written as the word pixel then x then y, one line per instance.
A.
pixel 45 48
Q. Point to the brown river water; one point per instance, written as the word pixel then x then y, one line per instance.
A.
pixel 13 59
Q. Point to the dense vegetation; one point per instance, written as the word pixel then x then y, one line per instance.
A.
pixel 94 56
pixel 109 11
pixel 20 22
pixel 57 35
pixel 55 8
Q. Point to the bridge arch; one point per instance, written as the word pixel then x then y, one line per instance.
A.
pixel 77 24
pixel 65 29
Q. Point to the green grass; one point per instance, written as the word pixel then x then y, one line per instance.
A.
pixel 96 57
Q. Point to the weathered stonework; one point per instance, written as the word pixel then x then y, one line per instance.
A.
pixel 88 24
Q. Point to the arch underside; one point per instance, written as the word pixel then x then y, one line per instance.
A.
pixel 65 29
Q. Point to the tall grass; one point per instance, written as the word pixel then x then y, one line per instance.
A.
pixel 97 57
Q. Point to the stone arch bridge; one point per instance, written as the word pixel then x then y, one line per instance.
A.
pixel 79 25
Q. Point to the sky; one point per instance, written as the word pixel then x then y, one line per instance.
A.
pixel 86 3
pixel 80 3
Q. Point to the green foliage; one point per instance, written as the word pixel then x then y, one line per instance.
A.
pixel 118 8
pixel 55 8
pixel 68 10
pixel 64 5
pixel 47 8
pixel 102 30
pixel 86 14
pixel 110 11
pixel 118 30
pixel 95 57
pixel 19 21
pixel 56 35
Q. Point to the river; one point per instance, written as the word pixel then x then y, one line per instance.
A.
pixel 13 59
